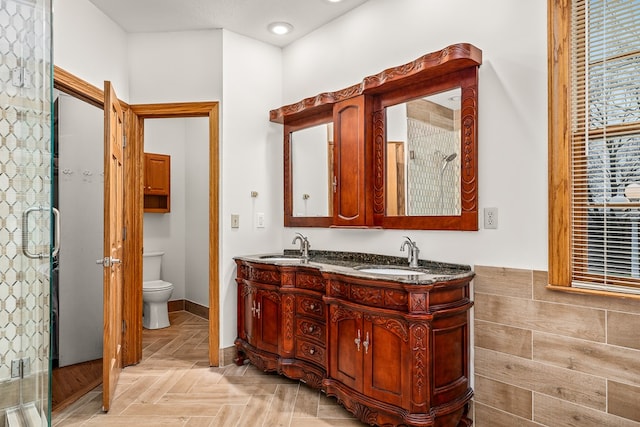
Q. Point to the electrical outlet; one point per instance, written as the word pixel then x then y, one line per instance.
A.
pixel 235 221
pixel 491 218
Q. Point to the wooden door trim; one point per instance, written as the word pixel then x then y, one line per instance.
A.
pixel 78 88
pixel 209 110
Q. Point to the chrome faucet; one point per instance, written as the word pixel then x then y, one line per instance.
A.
pixel 413 251
pixel 304 245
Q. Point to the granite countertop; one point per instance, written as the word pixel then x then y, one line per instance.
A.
pixel 353 264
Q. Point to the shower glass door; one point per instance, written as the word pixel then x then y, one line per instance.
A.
pixel 25 215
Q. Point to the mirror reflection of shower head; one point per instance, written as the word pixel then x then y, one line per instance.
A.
pixel 448 159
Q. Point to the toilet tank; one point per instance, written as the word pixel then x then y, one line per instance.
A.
pixel 151 265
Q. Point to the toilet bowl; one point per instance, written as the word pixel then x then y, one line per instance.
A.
pixel 155 293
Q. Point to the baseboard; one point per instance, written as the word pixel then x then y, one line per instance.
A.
pixel 228 355
pixel 197 309
pixel 175 305
pixel 189 306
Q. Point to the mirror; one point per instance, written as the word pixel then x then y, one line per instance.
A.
pixel 405 154
pixel 311 165
pixel 423 156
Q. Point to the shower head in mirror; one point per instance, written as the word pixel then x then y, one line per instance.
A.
pixel 450 157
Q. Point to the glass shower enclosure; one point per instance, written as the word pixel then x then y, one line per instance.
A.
pixel 26 219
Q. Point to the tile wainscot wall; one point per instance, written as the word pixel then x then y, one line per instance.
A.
pixel 549 358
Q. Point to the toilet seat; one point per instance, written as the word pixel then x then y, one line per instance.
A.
pixel 156 285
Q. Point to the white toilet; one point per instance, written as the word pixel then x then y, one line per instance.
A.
pixel 155 292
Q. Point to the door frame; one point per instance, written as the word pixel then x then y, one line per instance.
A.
pixel 133 206
pixel 209 110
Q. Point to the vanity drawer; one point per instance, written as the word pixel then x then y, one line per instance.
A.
pixel 310 351
pixel 310 281
pixel 310 306
pixel 310 329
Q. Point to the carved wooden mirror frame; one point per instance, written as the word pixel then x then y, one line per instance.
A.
pixel 452 67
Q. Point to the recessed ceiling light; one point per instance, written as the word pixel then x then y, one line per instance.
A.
pixel 280 28
pixel 334 1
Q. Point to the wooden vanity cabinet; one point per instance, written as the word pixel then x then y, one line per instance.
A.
pixel 281 320
pixel 394 354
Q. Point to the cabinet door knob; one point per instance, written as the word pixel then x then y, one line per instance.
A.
pixel 312 350
pixel 311 328
pixel 312 306
pixel 366 343
pixel 357 340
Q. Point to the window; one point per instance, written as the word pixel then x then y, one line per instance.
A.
pixel 594 144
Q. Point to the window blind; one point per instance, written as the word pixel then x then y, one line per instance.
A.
pixel 605 144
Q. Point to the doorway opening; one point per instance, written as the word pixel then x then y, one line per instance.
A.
pixel 133 207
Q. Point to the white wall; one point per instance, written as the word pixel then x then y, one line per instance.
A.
pixel 180 67
pixel 182 234
pixel 251 161
pixel 80 201
pixel 166 232
pixel 512 114
pixel 89 45
pixel 175 66
pixel 197 210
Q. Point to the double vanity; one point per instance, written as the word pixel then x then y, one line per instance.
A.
pixel 389 341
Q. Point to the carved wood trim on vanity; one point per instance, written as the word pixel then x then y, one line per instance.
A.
pixel 422 329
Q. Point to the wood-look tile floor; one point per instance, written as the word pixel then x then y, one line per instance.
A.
pixel 174 386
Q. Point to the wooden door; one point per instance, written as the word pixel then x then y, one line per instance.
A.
pixel 113 244
pixel 346 338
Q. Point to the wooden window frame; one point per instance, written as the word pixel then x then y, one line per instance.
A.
pixel 559 151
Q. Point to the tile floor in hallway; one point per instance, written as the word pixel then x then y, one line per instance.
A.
pixel 174 386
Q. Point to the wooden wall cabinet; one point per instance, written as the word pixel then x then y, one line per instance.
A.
pixel 394 354
pixel 351 150
pixel 157 183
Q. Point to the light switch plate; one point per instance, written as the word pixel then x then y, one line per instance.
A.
pixel 260 220
pixel 235 221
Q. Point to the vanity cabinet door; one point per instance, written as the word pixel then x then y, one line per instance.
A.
pixel 351 120
pixel 267 320
pixel 248 314
pixel 346 348
pixel 387 360
pixel 370 354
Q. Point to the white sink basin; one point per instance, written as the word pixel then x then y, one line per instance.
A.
pixel 392 271
pixel 282 258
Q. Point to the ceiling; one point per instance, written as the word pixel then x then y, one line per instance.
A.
pixel 246 17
